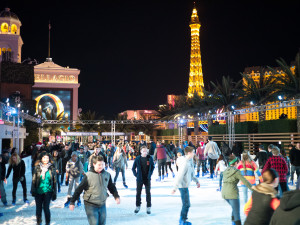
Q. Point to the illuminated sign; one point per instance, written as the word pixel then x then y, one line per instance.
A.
pixel 52 78
pixel 79 134
pixel 110 134
pixel 52 104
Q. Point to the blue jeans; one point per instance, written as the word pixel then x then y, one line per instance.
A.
pixel 245 193
pixel 235 205
pixel 118 170
pixel 96 215
pixel 221 179
pixel 185 198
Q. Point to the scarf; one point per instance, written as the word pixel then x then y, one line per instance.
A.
pixel 44 169
pixel 265 189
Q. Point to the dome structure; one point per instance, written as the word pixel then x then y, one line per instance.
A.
pixel 6 13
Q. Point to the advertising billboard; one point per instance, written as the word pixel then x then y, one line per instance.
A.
pixel 53 104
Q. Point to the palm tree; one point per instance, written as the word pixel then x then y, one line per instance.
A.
pixel 289 83
pixel 90 115
pixel 257 92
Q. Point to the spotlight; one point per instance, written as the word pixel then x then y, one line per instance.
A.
pixel 251 103
pixel 280 97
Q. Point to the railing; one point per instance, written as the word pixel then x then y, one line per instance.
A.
pixel 251 141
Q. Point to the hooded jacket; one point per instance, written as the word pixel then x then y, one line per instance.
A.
pixel 288 213
pixel 231 177
pixel 212 150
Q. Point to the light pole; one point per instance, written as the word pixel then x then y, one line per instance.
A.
pixel 18 104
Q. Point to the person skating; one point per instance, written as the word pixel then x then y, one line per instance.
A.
pixel 74 169
pixel 43 187
pixel 161 156
pixel 222 166
pixel 142 169
pixel 57 162
pixel 295 162
pixel 186 174
pixel 213 152
pixel 18 166
pixel 3 161
pixel 230 191
pixel 119 163
pixel 278 163
pixel 201 159
pixel 262 157
pixel 248 169
pixel 260 207
pixel 95 184
pixel 169 161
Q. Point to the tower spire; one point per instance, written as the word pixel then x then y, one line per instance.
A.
pixel 196 84
pixel 49 59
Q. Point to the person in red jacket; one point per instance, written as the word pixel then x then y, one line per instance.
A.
pixel 278 163
pixel 160 155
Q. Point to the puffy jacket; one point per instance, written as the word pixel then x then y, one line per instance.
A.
pixel 288 212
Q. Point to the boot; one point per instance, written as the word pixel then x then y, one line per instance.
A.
pixel 148 210
pixel 197 174
pixel 291 183
pixel 13 202
pixel 137 209
pixel 125 186
pixel 26 201
pixel 158 179
pixel 79 202
pixel 67 202
pixel 167 175
pixel 39 221
pixel 211 176
pixel 173 174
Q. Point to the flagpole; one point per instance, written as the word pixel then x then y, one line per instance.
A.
pixel 49 40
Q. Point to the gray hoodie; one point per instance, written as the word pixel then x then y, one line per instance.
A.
pixel 186 174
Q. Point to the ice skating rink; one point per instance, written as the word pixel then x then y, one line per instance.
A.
pixel 207 205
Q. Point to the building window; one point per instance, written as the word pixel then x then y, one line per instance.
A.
pixel 14 29
pixel 4 27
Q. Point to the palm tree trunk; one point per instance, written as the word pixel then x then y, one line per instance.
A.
pixel 262 115
pixel 298 119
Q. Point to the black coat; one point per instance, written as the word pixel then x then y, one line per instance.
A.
pixel 288 212
pixel 36 180
pixel 19 170
pixel 3 167
pixel 137 168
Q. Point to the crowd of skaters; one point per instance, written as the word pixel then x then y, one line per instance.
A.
pixel 74 165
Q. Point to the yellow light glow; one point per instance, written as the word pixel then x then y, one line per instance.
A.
pixel 57 101
pixel 14 29
pixel 4 27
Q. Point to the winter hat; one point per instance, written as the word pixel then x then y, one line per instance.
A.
pixel 73 153
pixel 39 144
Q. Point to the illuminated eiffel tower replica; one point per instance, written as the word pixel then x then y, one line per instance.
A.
pixel 196 84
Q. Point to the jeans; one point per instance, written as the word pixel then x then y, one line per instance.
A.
pixel 118 170
pixel 170 166
pixel 15 186
pixel 62 176
pixel 245 193
pixel 221 179
pixel 203 164
pixel 293 170
pixel 161 166
pixel 109 160
pixel 72 182
pixel 139 187
pixel 212 165
pixel 58 183
pixel 2 191
pixel 43 202
pixel 96 215
pixel 281 188
pixel 235 205
pixel 185 198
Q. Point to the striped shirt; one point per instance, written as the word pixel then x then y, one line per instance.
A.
pixel 249 173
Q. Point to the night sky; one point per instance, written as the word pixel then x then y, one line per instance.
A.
pixel 133 53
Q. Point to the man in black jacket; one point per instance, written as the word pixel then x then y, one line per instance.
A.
pixel 3 161
pixel 262 157
pixel 142 169
pixel 95 184
pixel 295 162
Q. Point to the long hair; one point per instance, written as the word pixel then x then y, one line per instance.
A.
pixel 245 158
pixel 11 162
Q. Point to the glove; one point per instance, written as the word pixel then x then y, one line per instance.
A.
pixel 53 197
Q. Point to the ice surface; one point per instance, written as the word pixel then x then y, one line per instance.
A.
pixel 207 205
